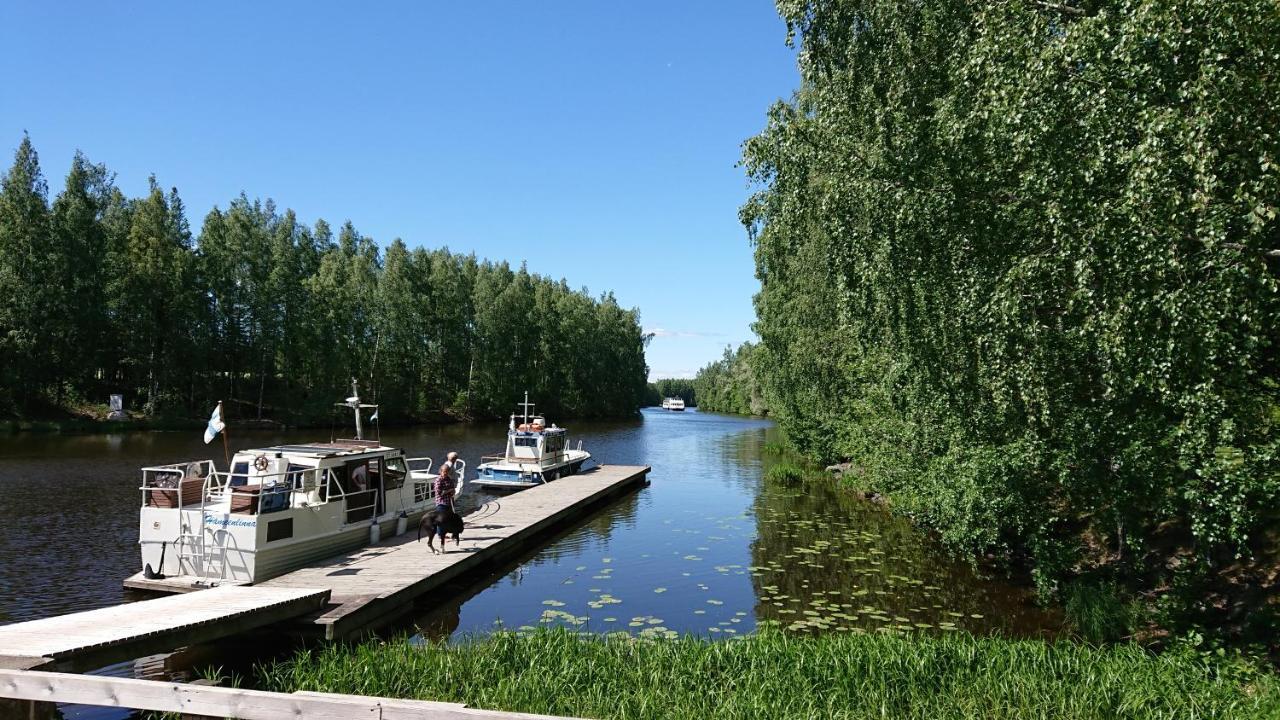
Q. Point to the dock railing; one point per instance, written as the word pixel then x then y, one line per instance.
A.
pixel 201 700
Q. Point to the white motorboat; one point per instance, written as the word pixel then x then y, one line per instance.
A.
pixel 276 508
pixel 674 403
pixel 535 454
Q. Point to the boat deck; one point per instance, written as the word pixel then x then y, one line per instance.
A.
pixel 97 637
pixel 370 585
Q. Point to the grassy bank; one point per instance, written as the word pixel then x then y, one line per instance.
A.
pixel 773 674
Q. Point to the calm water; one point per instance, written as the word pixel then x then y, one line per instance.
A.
pixel 709 547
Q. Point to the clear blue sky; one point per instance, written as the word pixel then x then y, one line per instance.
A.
pixel 595 140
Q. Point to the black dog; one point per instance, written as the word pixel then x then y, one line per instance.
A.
pixel 434 519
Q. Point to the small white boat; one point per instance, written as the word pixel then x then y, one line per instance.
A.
pixel 535 454
pixel 675 403
pixel 275 509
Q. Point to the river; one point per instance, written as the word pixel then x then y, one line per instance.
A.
pixel 708 547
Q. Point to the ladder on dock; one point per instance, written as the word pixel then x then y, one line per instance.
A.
pixel 197 545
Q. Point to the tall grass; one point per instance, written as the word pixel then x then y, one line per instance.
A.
pixel 785 473
pixel 1098 612
pixel 776 675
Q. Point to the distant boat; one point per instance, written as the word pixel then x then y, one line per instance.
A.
pixel 673 404
pixel 535 454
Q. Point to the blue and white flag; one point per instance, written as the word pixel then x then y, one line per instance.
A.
pixel 374 416
pixel 215 425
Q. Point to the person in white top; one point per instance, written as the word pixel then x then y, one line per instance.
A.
pixel 451 460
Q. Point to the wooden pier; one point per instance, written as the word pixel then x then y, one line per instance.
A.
pixel 341 597
pixel 369 586
pixel 98 637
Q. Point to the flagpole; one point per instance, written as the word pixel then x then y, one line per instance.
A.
pixel 226 445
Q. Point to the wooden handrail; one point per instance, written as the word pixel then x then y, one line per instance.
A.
pixel 213 701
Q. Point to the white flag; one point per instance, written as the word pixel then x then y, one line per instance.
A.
pixel 215 425
pixel 374 416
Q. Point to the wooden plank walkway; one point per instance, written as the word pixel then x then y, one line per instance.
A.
pixel 218 702
pixel 97 637
pixel 368 586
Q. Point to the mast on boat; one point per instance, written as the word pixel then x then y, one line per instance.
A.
pixel 354 403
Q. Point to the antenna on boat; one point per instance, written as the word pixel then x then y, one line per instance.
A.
pixel 526 405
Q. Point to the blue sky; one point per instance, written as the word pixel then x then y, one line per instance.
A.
pixel 597 141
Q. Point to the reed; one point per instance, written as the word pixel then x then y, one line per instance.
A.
pixel 774 674
pixel 1098 612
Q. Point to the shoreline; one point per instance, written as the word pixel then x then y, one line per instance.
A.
pixel 92 426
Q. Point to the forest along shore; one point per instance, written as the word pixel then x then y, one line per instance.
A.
pixel 105 294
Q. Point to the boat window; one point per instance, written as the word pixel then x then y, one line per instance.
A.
pixel 240 473
pixel 395 473
pixel 526 442
pixel 339 479
pixel 298 478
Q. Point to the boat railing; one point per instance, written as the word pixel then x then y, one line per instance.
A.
pixel 418 476
pixel 175 484
pixel 255 494
pixel 360 505
pixel 425 461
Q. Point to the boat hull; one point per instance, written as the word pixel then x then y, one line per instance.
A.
pixel 501 476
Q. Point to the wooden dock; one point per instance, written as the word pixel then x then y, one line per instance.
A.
pixel 369 586
pixel 98 637
pixel 341 597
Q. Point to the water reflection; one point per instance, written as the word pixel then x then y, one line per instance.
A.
pixel 824 561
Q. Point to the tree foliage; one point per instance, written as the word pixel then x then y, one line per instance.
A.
pixel 729 384
pixel 672 388
pixel 102 294
pixel 1019 262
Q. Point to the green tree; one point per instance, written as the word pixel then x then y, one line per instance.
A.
pixel 32 268
pixel 1018 261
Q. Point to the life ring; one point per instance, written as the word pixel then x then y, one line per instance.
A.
pixel 260 463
